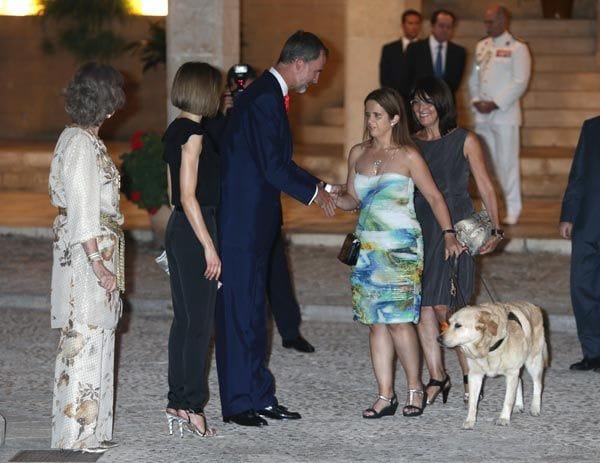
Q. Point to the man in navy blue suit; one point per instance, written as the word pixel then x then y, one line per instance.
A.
pixel 436 55
pixel 256 167
pixel 580 222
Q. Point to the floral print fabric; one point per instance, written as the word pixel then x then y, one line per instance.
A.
pixel 82 407
pixel 386 281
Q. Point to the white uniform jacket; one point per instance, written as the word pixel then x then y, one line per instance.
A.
pixel 500 73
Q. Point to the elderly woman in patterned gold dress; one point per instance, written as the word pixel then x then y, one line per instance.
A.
pixel 87 271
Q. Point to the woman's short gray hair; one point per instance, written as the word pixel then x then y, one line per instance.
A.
pixel 94 92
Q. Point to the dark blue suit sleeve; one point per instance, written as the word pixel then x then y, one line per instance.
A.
pixel 270 135
pixel 574 192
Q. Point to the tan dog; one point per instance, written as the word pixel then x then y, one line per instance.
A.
pixel 498 339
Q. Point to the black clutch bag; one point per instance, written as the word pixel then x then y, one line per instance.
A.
pixel 349 253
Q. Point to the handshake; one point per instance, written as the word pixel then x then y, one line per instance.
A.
pixel 327 195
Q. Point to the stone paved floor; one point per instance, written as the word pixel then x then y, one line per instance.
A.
pixel 330 388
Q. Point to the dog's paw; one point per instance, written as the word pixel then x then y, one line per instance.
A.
pixel 502 422
pixel 535 411
pixel 468 424
pixel 519 408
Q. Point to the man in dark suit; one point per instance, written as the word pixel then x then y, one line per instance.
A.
pixel 256 166
pixel 391 64
pixel 280 292
pixel 436 55
pixel 580 222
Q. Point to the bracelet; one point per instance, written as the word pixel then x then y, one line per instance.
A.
pixel 452 231
pixel 497 232
pixel 94 257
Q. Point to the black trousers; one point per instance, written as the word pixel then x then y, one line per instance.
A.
pixel 585 294
pixel 280 293
pixel 194 299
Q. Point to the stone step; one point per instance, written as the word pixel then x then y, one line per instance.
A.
pixel 549 136
pixel 333 116
pixel 526 28
pixel 554 118
pixel 565 81
pixel 543 186
pixel 571 62
pixel 318 134
pixel 540 99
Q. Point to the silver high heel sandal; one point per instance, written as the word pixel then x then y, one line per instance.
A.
pixel 175 419
pixel 191 427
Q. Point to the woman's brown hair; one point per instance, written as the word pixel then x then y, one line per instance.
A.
pixel 197 88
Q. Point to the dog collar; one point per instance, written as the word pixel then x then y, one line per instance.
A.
pixel 513 317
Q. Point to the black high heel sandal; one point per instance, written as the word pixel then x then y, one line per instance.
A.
pixel 410 409
pixel 444 388
pixel 390 410
pixel 466 394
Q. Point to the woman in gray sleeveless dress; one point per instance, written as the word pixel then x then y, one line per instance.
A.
pixel 452 154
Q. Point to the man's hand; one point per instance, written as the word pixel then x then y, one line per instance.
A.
pixel 325 201
pixel 226 102
pixel 565 229
pixel 337 189
pixel 485 107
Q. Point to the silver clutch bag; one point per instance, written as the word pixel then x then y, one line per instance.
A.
pixel 474 231
pixel 163 262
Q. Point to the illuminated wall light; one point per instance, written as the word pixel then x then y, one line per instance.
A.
pixel 32 7
pixel 19 7
pixel 150 7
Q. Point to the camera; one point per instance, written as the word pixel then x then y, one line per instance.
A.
pixel 240 72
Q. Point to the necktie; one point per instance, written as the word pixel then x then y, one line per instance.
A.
pixel 439 70
pixel 286 102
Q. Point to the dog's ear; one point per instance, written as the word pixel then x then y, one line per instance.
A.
pixel 485 323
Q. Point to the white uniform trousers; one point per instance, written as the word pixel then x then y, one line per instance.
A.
pixel 503 145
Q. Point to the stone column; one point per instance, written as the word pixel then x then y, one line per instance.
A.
pixel 201 30
pixel 598 32
pixel 369 25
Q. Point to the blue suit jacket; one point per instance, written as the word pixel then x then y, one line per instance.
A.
pixel 581 202
pixel 256 166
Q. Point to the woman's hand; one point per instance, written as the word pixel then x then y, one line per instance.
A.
pixel 213 264
pixel 106 279
pixel 452 246
pixel 490 244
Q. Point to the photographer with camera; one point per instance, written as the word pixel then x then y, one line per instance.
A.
pixel 280 292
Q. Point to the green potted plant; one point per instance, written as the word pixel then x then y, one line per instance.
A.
pixel 144 172
pixel 144 180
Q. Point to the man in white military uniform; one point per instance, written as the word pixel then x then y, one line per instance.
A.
pixel 499 77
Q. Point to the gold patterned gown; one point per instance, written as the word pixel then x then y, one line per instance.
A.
pixel 84 185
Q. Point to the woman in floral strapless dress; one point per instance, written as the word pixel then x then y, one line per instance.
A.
pixel 386 282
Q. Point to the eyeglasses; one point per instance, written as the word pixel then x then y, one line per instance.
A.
pixel 418 102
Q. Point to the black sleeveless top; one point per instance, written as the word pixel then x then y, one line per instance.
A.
pixel 207 188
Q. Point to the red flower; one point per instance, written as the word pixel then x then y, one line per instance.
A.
pixel 135 196
pixel 136 140
pixel 152 210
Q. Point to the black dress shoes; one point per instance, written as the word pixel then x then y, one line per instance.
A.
pixel 586 364
pixel 298 343
pixel 279 412
pixel 247 418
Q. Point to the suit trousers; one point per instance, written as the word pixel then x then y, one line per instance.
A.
pixel 245 382
pixel 280 293
pixel 503 145
pixel 194 299
pixel 585 293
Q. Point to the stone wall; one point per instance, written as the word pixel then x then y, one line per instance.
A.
pixel 266 24
pixel 32 84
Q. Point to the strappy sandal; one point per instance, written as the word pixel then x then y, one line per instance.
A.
pixel 390 410
pixel 410 409
pixel 191 427
pixel 444 388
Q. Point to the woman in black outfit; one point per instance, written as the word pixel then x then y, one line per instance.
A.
pixel 190 242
